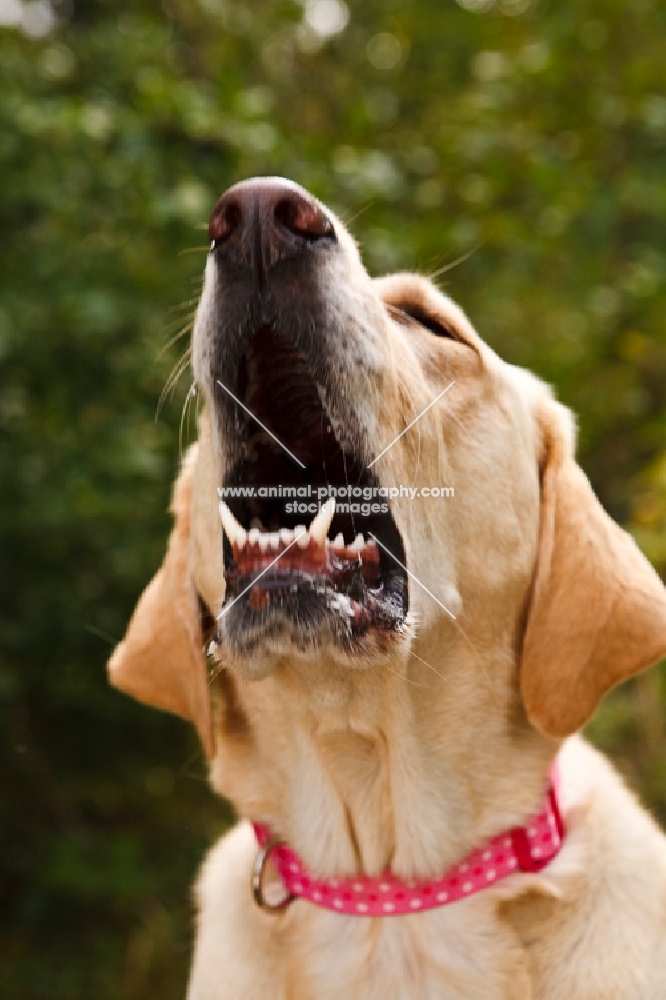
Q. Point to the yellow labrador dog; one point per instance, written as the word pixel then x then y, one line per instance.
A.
pixel 388 683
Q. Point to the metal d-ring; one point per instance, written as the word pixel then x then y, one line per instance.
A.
pixel 258 870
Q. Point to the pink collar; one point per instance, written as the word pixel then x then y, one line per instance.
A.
pixel 526 848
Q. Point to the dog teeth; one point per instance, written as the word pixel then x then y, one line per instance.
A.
pixel 283 537
pixel 302 536
pixel 234 531
pixel 358 543
pixel 322 522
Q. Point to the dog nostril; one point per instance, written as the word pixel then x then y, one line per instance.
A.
pixel 224 221
pixel 265 219
pixel 302 217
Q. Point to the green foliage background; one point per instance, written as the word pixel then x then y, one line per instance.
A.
pixel 531 136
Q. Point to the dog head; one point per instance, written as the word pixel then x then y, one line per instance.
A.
pixel 322 384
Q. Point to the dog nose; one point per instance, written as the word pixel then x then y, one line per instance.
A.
pixel 265 219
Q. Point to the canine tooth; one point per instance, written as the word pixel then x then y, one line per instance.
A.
pixel 274 540
pixel 339 540
pixel 322 522
pixel 302 536
pixel 286 535
pixel 358 543
pixel 234 531
pixel 263 541
pixel 253 536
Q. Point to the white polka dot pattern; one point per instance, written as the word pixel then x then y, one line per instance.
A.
pixel 528 848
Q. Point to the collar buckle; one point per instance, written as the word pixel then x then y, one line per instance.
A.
pixel 533 858
pixel 258 872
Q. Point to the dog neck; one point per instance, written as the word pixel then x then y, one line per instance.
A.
pixel 362 770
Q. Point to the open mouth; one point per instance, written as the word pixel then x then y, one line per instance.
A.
pixel 310 544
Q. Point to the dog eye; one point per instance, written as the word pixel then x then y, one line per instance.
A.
pixel 431 323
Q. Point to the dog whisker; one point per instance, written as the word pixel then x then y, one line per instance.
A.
pixel 425 663
pixel 186 303
pixel 187 328
pixel 191 395
pixel 408 680
pixel 101 634
pixel 186 767
pixel 171 382
pixel 353 218
pixel 454 263
pixel 204 248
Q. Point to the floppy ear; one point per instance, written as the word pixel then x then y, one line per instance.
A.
pixel 598 608
pixel 161 659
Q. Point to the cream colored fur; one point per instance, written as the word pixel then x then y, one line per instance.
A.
pixel 409 760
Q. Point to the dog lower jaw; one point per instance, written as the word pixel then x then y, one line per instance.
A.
pixel 255 654
pixel 343 608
